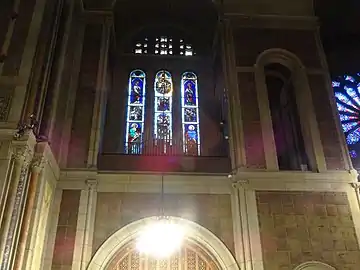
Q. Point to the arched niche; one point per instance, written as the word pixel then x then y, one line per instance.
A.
pixel 303 96
pixel 313 265
pixel 213 251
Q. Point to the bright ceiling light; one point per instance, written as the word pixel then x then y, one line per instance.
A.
pixel 161 239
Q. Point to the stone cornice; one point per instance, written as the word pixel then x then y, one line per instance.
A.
pixel 272 21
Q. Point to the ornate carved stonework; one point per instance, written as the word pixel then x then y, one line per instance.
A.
pixel 22 154
pixel 38 163
pixel 18 204
pixel 4 108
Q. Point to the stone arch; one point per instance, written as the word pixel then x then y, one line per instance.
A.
pixel 313 265
pixel 306 109
pixel 281 56
pixel 215 248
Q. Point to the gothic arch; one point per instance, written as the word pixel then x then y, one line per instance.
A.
pixel 313 265
pixel 195 233
pixel 306 110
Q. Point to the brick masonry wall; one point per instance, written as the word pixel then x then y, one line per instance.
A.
pixel 326 123
pixel 296 227
pixel 254 147
pixel 115 210
pixel 66 230
pixel 85 98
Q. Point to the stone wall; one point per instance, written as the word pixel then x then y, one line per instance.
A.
pixel 115 210
pixel 326 123
pixel 21 20
pixel 307 226
pixel 66 230
pixel 253 140
pixel 249 44
pixel 85 98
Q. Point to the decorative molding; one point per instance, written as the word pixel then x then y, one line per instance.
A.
pixel 91 183
pixel 4 107
pixel 314 265
pixel 239 20
pixel 12 232
pixel 38 163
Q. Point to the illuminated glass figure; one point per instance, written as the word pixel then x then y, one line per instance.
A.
pixel 135 112
pixel 163 107
pixel 190 114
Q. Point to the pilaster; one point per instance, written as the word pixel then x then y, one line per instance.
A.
pixel 353 195
pixel 236 139
pixel 85 226
pixel 22 154
pixel 265 120
pixel 29 228
pixel 61 65
pixel 331 99
pixel 19 93
pixel 70 106
pixel 53 221
pixel 246 227
pixel 100 96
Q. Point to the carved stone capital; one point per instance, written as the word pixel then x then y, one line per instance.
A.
pixel 356 186
pixel 21 153
pixel 38 163
pixel 241 184
pixel 91 184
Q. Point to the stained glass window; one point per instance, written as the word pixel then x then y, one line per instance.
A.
pixel 347 93
pixel 135 112
pixel 190 114
pixel 163 107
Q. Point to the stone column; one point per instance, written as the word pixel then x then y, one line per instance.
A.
pixel 265 120
pixel 6 166
pixel 52 223
pixel 246 227
pixel 14 205
pixel 236 138
pixel 25 232
pixel 85 226
pixel 353 195
pixel 100 96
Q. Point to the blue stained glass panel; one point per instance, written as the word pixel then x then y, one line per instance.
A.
pixel 191 136
pixel 190 114
pixel 190 96
pixel 344 117
pixel 135 112
pixel 345 100
pixel 353 153
pixel 163 91
pixel 348 104
pixel 137 91
pixel 349 126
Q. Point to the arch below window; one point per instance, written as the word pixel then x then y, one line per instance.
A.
pixel 313 265
pixel 210 244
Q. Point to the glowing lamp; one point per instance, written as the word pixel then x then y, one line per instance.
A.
pixel 160 239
